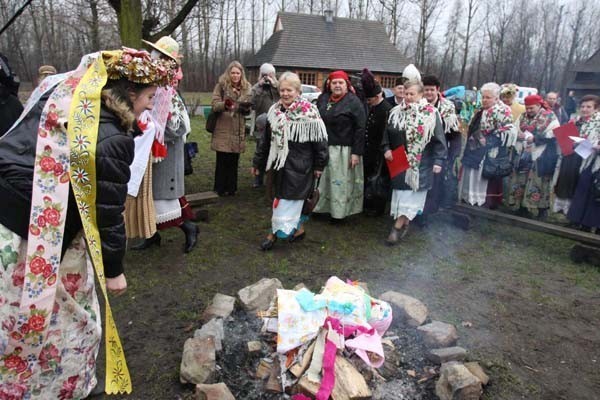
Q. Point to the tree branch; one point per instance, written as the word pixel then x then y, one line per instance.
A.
pixel 175 22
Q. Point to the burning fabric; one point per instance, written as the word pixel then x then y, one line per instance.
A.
pixel 313 330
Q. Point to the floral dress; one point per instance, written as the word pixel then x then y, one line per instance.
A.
pixel 530 185
pixel 67 362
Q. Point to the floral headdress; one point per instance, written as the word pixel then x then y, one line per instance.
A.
pixel 137 66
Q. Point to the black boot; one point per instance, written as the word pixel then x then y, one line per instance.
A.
pixel 191 235
pixel 151 241
pixel 542 214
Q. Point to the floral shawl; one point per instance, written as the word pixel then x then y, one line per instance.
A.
pixel 589 128
pixel 498 120
pixel 300 123
pixel 448 114
pixel 418 121
pixel 541 126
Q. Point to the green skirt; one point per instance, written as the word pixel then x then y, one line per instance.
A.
pixel 341 188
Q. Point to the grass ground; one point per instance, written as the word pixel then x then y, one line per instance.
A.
pixel 534 313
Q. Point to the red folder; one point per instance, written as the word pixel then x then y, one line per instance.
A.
pixel 399 163
pixel 562 134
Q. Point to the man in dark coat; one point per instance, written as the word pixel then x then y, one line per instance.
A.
pixel 398 97
pixel 559 111
pixel 264 94
pixel 373 156
pixel 10 106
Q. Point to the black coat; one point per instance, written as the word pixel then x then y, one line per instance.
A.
pixel 345 122
pixel 10 110
pixel 435 153
pixel 114 153
pixel 376 123
pixel 294 180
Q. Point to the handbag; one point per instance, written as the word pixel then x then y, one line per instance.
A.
pixel 313 198
pixel 596 187
pixel 190 151
pixel 497 167
pixel 546 163
pixel 377 187
pixel 211 120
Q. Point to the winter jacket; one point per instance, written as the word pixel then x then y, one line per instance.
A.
pixel 376 123
pixel 435 153
pixel 294 180
pixel 168 175
pixel 230 132
pixel 345 121
pixel 263 97
pixel 114 153
pixel 10 109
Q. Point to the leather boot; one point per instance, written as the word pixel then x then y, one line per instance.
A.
pixel 542 214
pixel 191 232
pixel 146 243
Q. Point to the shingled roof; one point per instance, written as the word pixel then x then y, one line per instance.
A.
pixel 309 41
pixel 592 64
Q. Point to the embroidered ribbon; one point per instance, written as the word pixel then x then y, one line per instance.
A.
pixel 50 193
pixel 83 135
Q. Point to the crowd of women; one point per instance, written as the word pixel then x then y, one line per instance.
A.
pixel 96 157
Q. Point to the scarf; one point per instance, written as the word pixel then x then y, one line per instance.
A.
pixel 498 120
pixel 448 114
pixel 540 125
pixel 589 128
pixel 418 121
pixel 300 123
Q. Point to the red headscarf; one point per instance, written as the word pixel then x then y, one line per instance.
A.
pixel 534 99
pixel 339 75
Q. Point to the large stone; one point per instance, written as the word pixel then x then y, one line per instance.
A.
pixel 456 382
pixel 221 306
pixel 446 354
pixel 438 334
pixel 258 297
pixel 198 363
pixel 213 328
pixel 217 391
pixel 476 370
pixel 407 309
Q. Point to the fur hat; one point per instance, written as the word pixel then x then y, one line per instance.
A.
pixel 371 87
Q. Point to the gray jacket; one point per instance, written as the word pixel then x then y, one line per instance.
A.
pixel 167 175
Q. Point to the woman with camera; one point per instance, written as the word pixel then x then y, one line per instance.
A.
pixel 231 100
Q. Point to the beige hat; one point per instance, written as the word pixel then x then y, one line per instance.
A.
pixel 47 70
pixel 167 46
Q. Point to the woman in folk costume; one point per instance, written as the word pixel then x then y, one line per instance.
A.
pixel 231 100
pixel 508 95
pixel 342 184
pixel 535 157
pixel 566 178
pixel 585 206
pixel 417 126
pixel 491 129
pixel 64 170
pixel 173 125
pixel 295 148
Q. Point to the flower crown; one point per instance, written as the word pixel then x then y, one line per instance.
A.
pixel 137 66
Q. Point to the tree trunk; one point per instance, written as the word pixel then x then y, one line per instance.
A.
pixel 130 23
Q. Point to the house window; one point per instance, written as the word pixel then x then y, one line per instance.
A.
pixel 387 81
pixel 308 78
